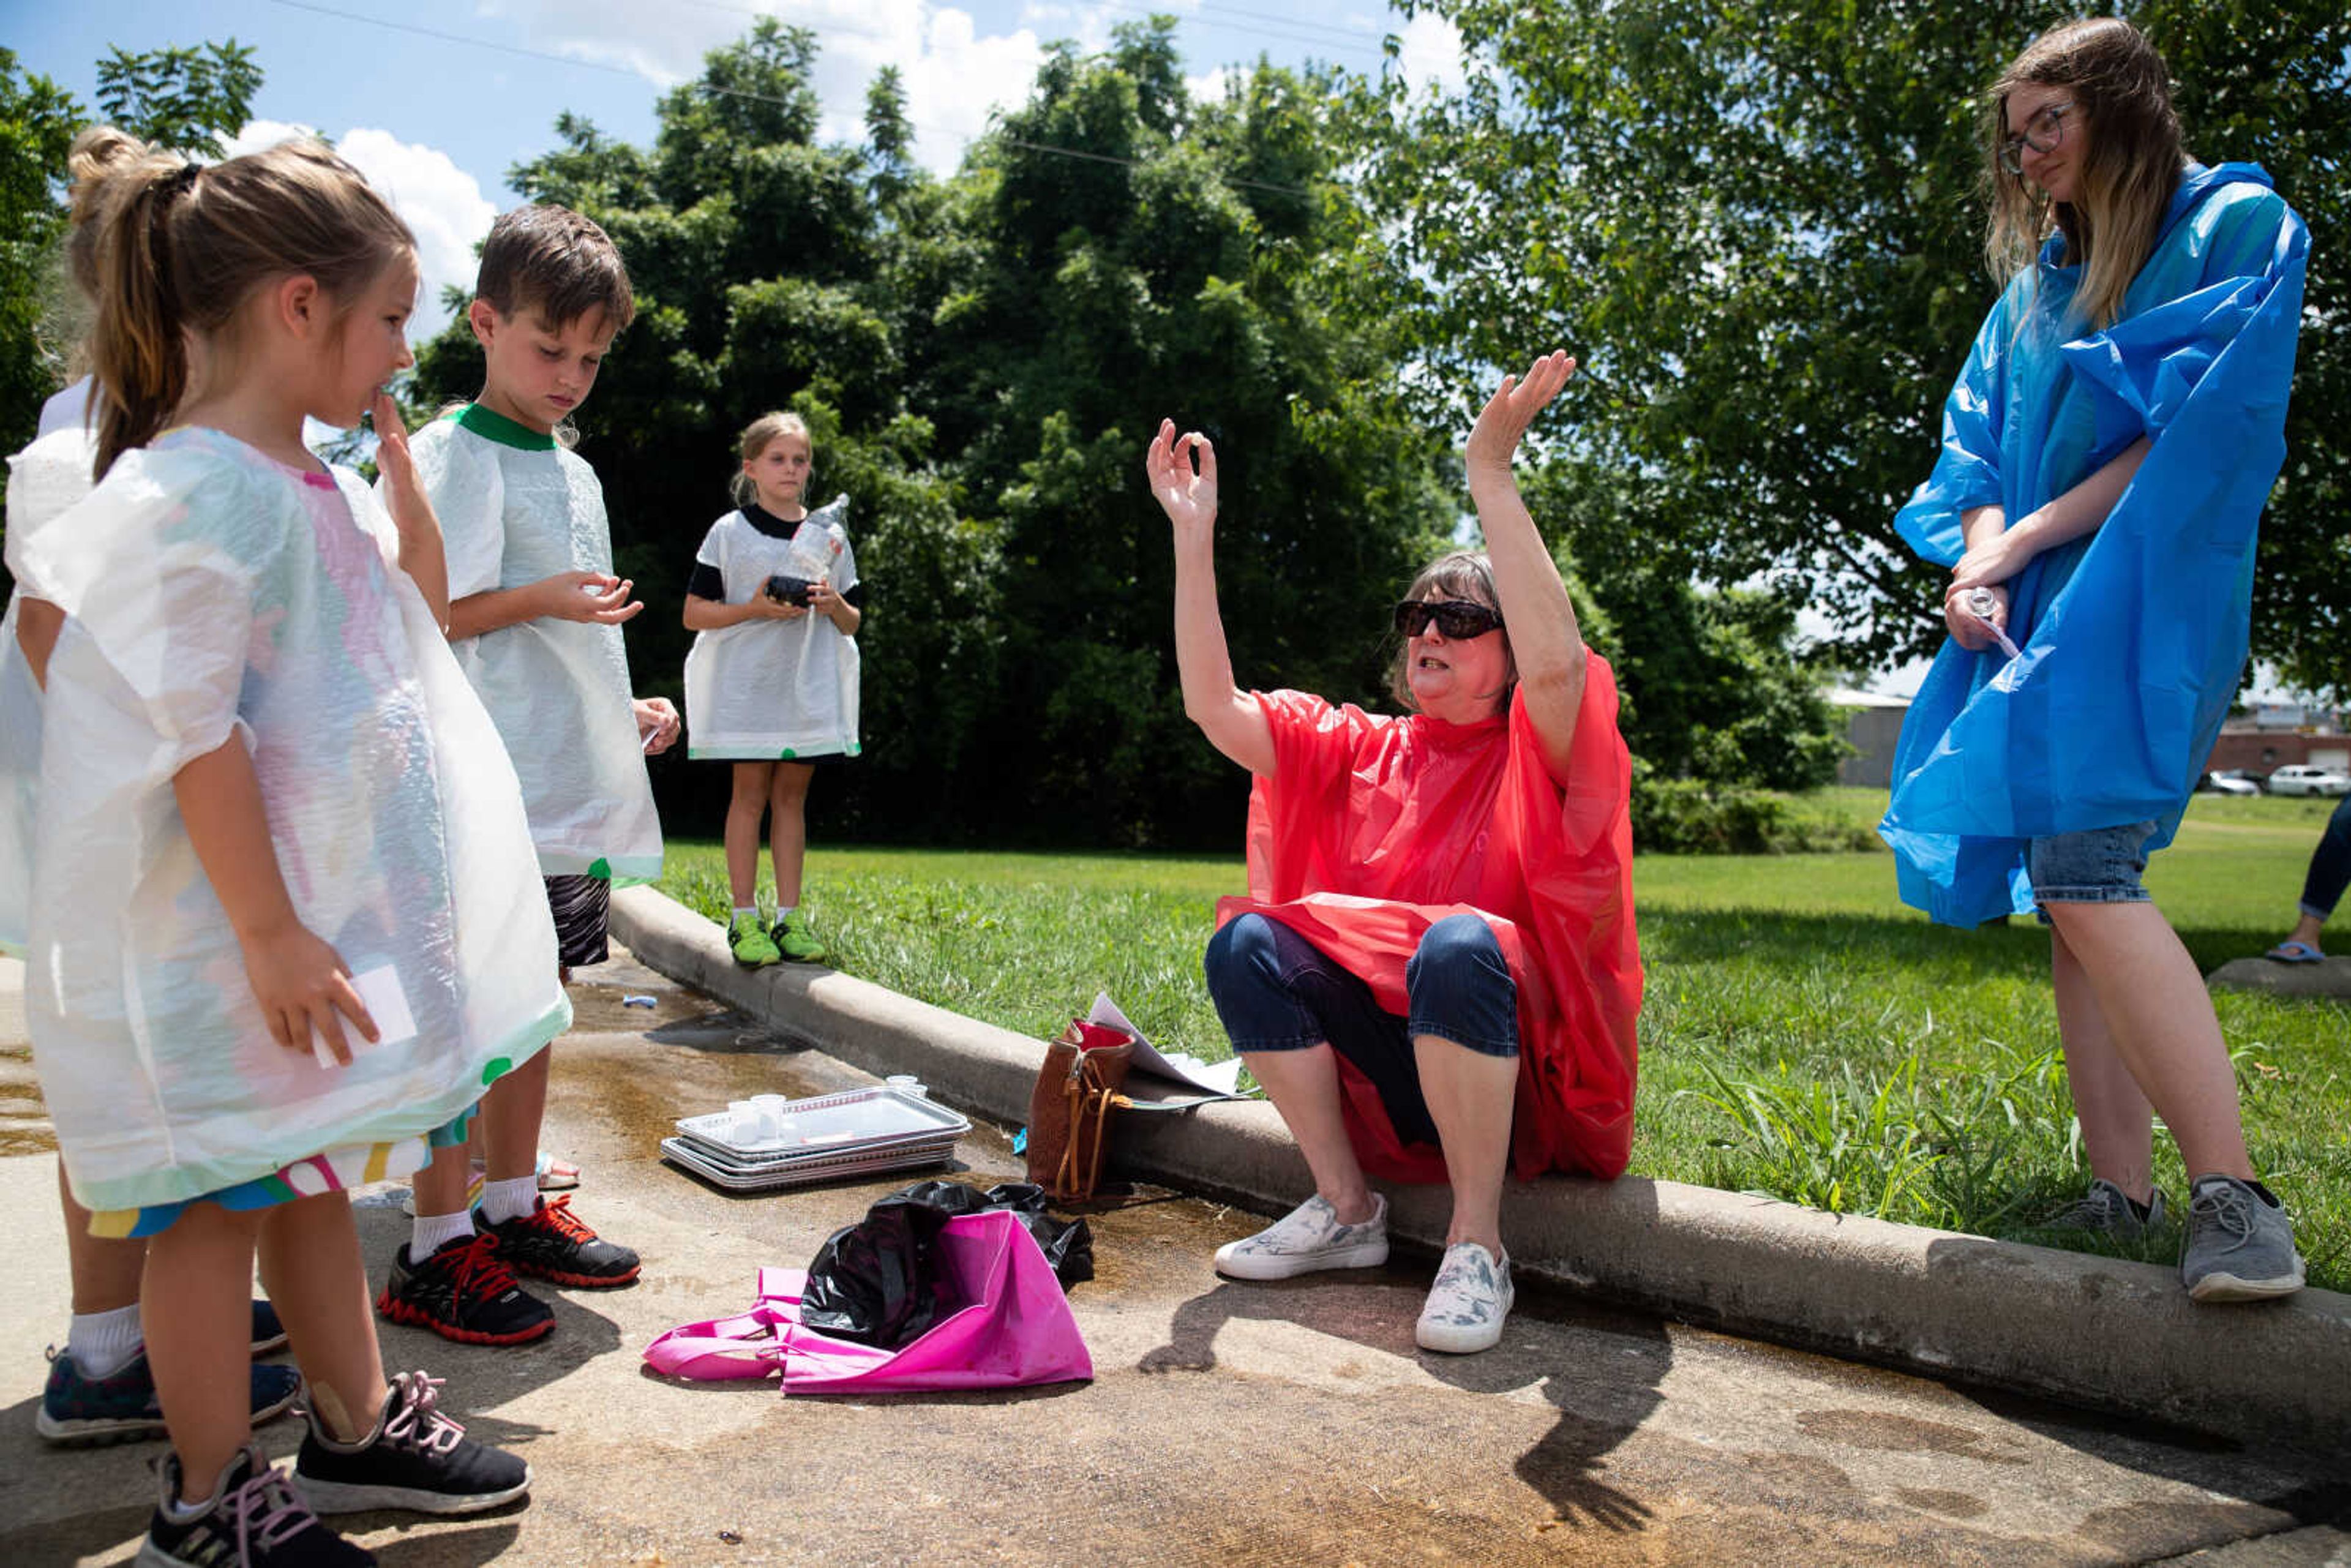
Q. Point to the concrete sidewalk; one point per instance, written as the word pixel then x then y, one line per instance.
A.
pixel 1280 1424
pixel 2103 1333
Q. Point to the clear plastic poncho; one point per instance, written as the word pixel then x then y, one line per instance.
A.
pixel 2132 638
pixel 44 480
pixel 516 508
pixel 213 594
pixel 767 690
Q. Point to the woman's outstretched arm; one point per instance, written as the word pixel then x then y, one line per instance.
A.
pixel 1544 640
pixel 1227 715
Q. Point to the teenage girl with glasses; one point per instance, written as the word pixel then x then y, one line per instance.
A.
pixel 2106 452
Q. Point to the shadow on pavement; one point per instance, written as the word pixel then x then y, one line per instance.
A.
pixel 1597 1407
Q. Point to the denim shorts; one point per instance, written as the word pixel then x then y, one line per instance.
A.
pixel 1275 990
pixel 2095 866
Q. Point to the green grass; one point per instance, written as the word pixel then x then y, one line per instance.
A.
pixel 1803 1035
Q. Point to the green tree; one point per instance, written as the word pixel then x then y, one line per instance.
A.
pixel 982 360
pixel 189 99
pixel 37 121
pixel 1758 224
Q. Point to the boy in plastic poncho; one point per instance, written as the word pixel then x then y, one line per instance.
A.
pixel 535 616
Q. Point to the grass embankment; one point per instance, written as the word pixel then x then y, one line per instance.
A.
pixel 1805 1035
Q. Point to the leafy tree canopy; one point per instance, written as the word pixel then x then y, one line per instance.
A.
pixel 1758 223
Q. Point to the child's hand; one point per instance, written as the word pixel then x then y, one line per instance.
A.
pixel 821 598
pixel 596 596
pixel 657 725
pixel 1503 422
pixel 403 496
pixel 1189 499
pixel 302 984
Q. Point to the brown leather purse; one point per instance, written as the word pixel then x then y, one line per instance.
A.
pixel 1080 1082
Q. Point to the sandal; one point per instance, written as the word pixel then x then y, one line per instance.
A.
pixel 2295 953
pixel 554 1174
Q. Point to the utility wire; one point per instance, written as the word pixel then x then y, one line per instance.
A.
pixel 966 137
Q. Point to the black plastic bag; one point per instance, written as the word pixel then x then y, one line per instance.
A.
pixel 1068 1245
pixel 874 1281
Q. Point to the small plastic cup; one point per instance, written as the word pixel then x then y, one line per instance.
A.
pixel 907 1084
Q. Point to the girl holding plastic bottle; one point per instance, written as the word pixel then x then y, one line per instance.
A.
pixel 261 772
pixel 2105 455
pixel 771 681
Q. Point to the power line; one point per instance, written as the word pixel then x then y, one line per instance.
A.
pixel 966 137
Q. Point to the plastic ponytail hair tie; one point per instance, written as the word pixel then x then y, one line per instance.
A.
pixel 179 182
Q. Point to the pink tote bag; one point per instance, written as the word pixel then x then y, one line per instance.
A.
pixel 1012 1326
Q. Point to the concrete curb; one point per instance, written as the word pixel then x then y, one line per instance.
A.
pixel 2103 1333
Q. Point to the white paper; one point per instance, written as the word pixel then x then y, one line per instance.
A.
pixel 1214 1077
pixel 386 1003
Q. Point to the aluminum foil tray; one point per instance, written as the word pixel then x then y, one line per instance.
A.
pixel 805 1172
pixel 858 1122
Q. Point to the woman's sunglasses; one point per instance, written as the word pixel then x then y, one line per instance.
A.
pixel 1458 618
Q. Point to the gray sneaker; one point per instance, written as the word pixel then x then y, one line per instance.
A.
pixel 2240 1243
pixel 1308 1238
pixel 2106 1210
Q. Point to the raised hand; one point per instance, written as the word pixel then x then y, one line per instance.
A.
pixel 1503 422
pixel 1188 497
pixel 403 496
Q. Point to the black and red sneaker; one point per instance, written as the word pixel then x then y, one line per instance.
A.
pixel 466 1292
pixel 551 1243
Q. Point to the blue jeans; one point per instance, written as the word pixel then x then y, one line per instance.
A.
pixel 2093 866
pixel 2330 864
pixel 1277 991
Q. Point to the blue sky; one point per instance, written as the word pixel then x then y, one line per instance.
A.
pixel 438 106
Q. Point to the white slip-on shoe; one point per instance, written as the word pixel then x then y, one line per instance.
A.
pixel 1307 1238
pixel 1468 1303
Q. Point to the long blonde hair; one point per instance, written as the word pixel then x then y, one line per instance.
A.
pixel 756 435
pixel 2122 95
pixel 177 249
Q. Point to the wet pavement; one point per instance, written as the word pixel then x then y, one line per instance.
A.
pixel 1291 1423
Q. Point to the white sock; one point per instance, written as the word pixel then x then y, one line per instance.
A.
pixel 740 912
pixel 505 1200
pixel 434 1232
pixel 102 1343
pixel 784 912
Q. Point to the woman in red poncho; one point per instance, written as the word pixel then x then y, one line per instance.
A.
pixel 1435 975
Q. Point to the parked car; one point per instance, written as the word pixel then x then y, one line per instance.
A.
pixel 2227 784
pixel 2308 778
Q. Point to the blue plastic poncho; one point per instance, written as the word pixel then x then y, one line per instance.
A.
pixel 2132 638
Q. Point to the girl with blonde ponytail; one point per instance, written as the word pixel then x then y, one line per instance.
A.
pixel 255 976
pixel 2106 452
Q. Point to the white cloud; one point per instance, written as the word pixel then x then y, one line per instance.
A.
pixel 1209 87
pixel 1432 54
pixel 954 76
pixel 442 204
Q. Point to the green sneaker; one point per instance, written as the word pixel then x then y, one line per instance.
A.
pixel 795 942
pixel 753 947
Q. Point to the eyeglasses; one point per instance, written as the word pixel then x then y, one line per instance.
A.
pixel 1459 619
pixel 2042 132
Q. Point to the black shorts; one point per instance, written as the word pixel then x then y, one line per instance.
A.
pixel 582 907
